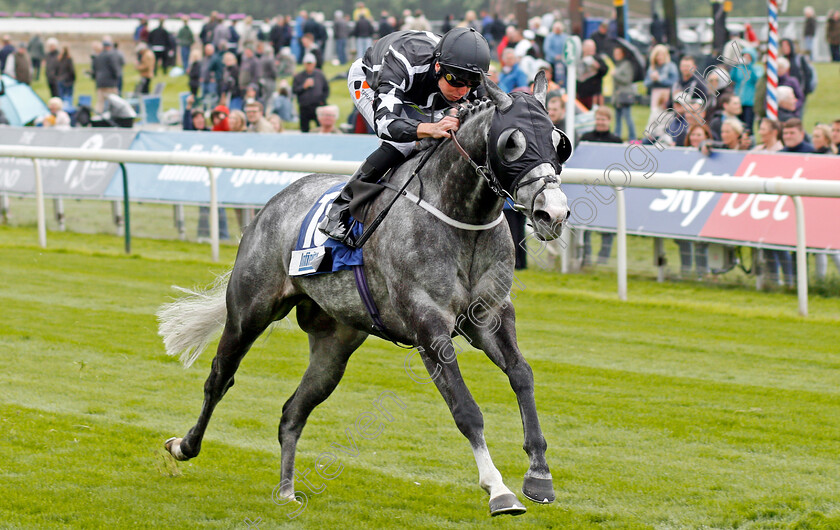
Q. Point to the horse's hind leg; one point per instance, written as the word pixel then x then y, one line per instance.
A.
pixel 243 326
pixel 330 347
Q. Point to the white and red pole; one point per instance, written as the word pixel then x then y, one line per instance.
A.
pixel 772 56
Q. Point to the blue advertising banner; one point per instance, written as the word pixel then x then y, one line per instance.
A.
pixel 62 178
pixel 236 187
pixel 649 211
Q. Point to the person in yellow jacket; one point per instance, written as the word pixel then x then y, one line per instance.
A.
pixel 145 67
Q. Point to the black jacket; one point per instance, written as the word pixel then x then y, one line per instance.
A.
pixel 400 69
pixel 314 96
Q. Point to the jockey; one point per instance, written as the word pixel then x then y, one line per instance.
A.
pixel 402 87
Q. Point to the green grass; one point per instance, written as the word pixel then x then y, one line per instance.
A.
pixel 687 407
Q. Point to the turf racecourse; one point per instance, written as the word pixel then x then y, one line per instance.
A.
pixel 689 406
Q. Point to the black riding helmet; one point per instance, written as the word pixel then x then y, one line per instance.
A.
pixel 464 55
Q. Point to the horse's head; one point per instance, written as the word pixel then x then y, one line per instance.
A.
pixel 525 153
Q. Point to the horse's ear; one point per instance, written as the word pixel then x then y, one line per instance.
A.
pixel 499 98
pixel 541 87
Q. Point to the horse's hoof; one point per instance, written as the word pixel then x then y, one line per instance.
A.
pixel 538 490
pixel 506 504
pixel 173 445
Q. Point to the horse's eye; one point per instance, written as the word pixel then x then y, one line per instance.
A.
pixel 511 144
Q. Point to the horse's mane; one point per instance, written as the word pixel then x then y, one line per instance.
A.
pixel 474 108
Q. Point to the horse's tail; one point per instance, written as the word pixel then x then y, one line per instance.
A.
pixel 188 324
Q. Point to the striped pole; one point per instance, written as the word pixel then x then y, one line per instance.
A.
pixel 772 55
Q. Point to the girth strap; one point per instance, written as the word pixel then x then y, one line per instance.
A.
pixel 370 305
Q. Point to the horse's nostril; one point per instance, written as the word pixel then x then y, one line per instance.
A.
pixel 568 213
pixel 542 217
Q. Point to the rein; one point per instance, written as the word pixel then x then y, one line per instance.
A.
pixel 493 181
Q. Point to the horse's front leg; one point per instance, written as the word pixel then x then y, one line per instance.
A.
pixel 438 355
pixel 495 334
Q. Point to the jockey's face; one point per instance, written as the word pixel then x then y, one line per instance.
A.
pixel 450 92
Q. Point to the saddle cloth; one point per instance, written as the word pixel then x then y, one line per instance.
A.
pixel 315 253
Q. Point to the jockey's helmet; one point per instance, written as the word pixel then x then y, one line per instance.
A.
pixel 463 55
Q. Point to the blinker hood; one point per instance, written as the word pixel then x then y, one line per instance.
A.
pixel 528 117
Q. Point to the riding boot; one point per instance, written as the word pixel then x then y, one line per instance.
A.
pixel 336 224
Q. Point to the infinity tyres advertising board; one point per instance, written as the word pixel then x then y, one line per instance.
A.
pixel 61 177
pixel 235 186
pixel 750 219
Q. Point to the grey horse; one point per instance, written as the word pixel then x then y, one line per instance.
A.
pixel 430 280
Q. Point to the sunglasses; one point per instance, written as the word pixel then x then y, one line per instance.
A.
pixel 458 83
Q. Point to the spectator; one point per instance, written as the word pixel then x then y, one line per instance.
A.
pixel 6 51
pixel 230 93
pixel 255 119
pixel 511 76
pixel 730 134
pixel 657 28
pixel 238 121
pixel 341 31
pixel 118 112
pixel 107 71
pixel 603 117
pixel 276 123
pixel 793 136
pixel 65 75
pixel 327 117
pixel 471 21
pixel 36 55
pixel 387 24
pixel 448 23
pixel 591 72
pixel 697 135
pixel 312 90
pixel 769 134
pixel 602 40
pixel 159 43
pixel 418 22
pixel 51 67
pixel 689 84
pixel 821 138
pixel 19 65
pixel 286 63
pixel 660 77
pixel 145 67
pixel 730 110
pixel 250 35
pixel 281 101
pixel 194 72
pixel 141 33
pixel 809 31
pixel 602 134
pixel 193 119
pixel 556 108
pixel 185 39
pixel 249 68
pixel 787 103
pixel 280 34
pixel 267 70
pixel 307 43
pixel 363 33
pixel 835 133
pixel 553 47
pixel 222 34
pixel 56 118
pixel 832 34
pixel 211 74
pixel 220 119
pixel 624 92
pixel 361 11
pixel 799 68
pixel 495 31
pixel 744 81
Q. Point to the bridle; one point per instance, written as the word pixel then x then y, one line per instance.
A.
pixel 496 186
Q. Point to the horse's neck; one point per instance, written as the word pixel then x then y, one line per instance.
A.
pixel 454 186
